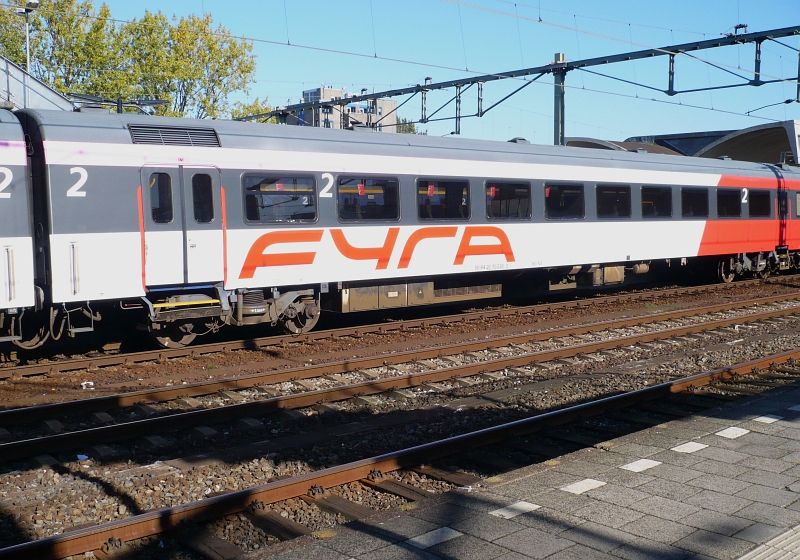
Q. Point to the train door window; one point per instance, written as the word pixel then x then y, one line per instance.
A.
pixel 613 201
pixel 278 198
pixel 797 205
pixel 202 198
pixel 759 204
pixel 694 203
pixel 362 198
pixel 656 202
pixel 729 203
pixel 161 198
pixel 508 201
pixel 564 202
pixel 443 200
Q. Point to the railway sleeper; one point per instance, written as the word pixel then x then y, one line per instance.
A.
pixel 457 478
pixel 207 545
pixel 275 524
pixel 398 488
pixel 334 504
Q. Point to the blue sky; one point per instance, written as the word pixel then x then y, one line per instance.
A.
pixel 448 39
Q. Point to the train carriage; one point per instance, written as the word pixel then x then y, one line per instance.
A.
pixel 188 225
pixel 17 293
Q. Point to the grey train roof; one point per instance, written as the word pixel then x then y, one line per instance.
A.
pixel 113 128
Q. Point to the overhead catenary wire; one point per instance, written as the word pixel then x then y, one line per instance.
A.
pixel 365 55
pixel 595 18
pixel 593 34
pixel 410 62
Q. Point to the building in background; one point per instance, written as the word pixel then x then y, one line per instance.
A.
pixel 378 114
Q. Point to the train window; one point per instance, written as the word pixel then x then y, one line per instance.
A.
pixel 729 203
pixel 759 204
pixel 202 198
pixel 276 198
pixel 161 198
pixel 797 204
pixel 656 202
pixel 564 202
pixel 508 201
pixel 443 200
pixel 362 198
pixel 613 201
pixel 694 203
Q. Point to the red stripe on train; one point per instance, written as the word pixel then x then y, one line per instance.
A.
pixel 756 182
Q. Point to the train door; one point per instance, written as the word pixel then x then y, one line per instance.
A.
pixel 203 224
pixel 163 226
pixel 182 225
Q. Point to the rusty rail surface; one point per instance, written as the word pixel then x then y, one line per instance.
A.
pixel 277 340
pixel 201 388
pixel 107 434
pixel 159 521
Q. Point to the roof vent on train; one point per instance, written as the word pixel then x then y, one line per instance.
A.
pixel 174 136
pixel 519 140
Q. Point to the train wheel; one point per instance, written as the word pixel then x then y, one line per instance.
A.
pixel 725 271
pixel 302 322
pixel 175 337
pixel 764 274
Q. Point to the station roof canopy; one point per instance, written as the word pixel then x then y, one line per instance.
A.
pixel 18 89
pixel 772 143
pixel 625 146
pixel 766 143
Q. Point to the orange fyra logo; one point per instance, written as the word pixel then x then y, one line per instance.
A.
pixel 257 257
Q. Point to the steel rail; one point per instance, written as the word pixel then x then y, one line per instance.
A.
pixel 159 521
pixel 201 388
pixel 380 328
pixel 106 434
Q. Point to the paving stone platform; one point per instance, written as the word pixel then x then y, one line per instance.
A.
pixel 720 484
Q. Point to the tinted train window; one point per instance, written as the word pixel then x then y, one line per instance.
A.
pixel 368 199
pixel 443 200
pixel 656 202
pixel 274 198
pixel 760 204
pixel 729 203
pixel 508 201
pixel 202 199
pixel 694 203
pixel 613 201
pixel 161 198
pixel 564 202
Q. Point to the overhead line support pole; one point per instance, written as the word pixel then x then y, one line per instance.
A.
pixel 558 107
pixel 757 71
pixel 797 95
pixel 671 88
pixel 458 110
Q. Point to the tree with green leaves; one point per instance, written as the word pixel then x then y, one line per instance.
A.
pixel 188 62
pixel 405 126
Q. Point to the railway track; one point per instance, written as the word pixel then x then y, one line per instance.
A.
pixel 114 358
pixel 745 378
pixel 492 360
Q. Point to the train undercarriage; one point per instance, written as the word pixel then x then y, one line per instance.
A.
pixel 175 320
